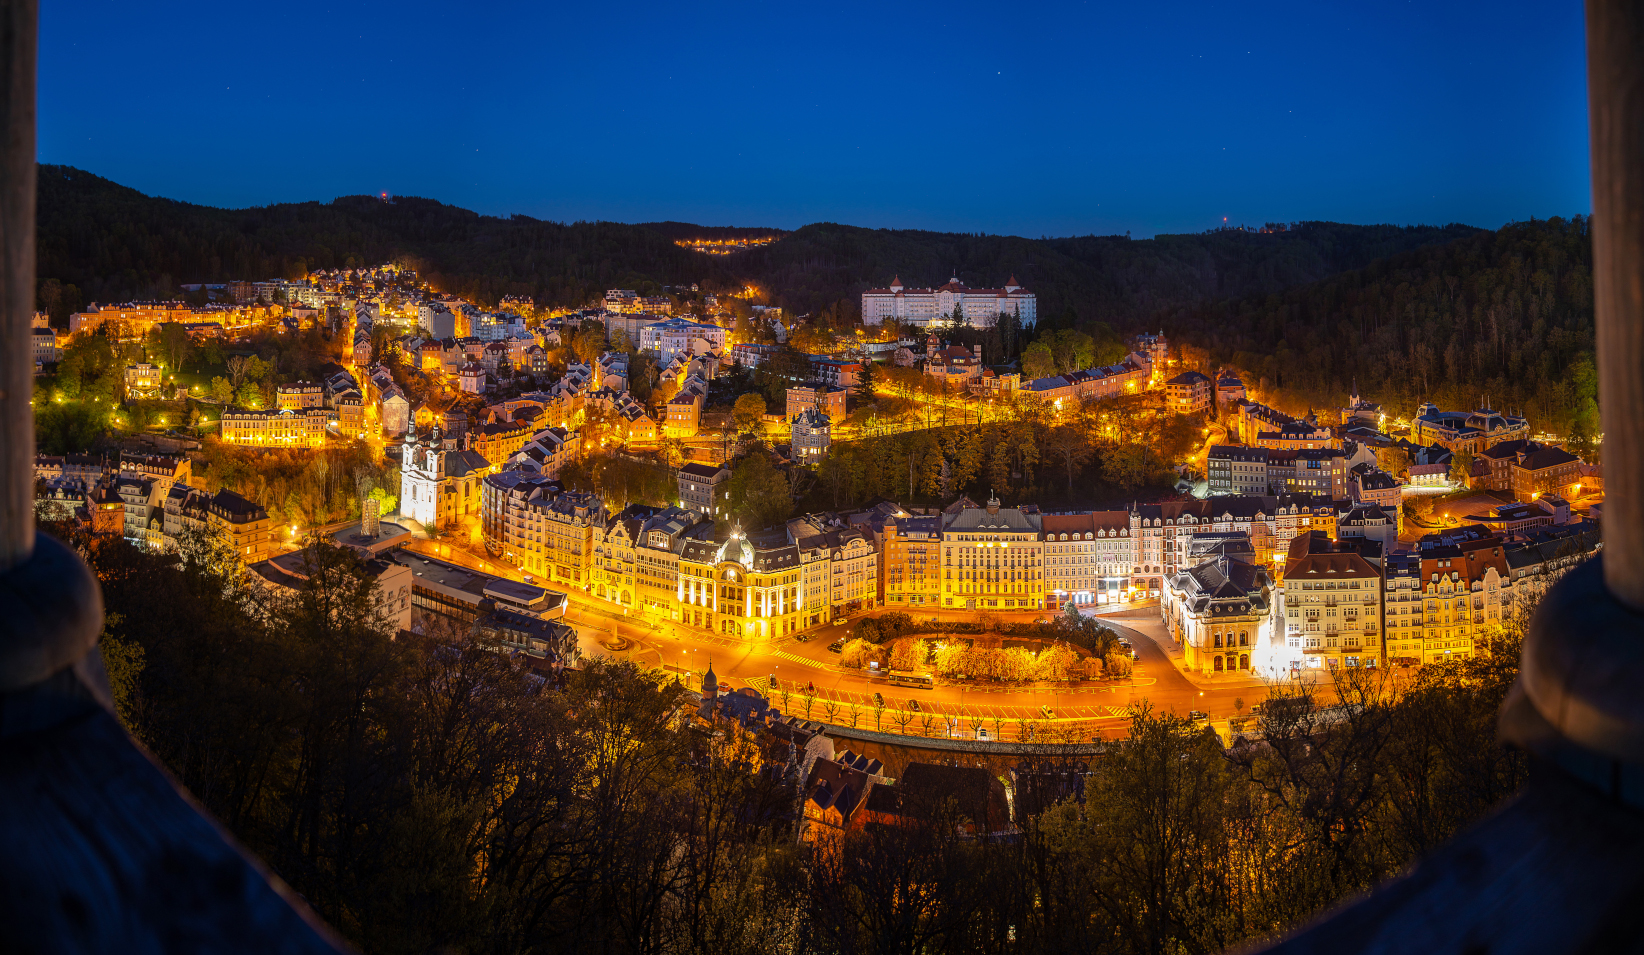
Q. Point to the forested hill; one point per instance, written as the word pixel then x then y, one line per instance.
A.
pixel 113 243
pixel 1100 278
pixel 1505 315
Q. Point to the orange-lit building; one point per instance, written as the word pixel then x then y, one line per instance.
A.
pixel 275 429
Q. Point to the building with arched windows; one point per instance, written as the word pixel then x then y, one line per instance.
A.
pixel 439 486
pixel 1220 612
pixel 740 585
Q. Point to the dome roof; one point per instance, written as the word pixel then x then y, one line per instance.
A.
pixel 710 683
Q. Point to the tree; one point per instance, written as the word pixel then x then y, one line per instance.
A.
pixel 907 653
pixel 1072 446
pixel 1129 466
pixel 759 493
pixel 673 451
pixel 589 342
pixel 222 390
pixel 1394 460
pixel 1461 467
pixel 866 381
pixel 1037 361
pixel 813 340
pixel 240 368
pixel 386 501
pixel 951 657
pixel 748 413
pixel 859 653
pixel 175 344
pixel 1072 349
pixel 1015 665
pixel 1054 662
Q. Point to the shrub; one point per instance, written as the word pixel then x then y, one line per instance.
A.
pixel 907 653
pixel 859 653
pixel 1054 662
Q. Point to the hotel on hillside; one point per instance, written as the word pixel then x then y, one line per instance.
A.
pixel 980 307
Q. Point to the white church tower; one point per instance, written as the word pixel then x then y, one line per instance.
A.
pixel 420 478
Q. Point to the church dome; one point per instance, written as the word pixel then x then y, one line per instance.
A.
pixel 710 683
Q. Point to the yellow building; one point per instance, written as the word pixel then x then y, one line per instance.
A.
pixel 910 560
pixel 513 514
pixel 683 417
pixel 568 538
pixel 241 524
pixel 497 441
pixel 143 380
pixel 275 429
pixel 742 588
pixel 300 396
pixel 992 559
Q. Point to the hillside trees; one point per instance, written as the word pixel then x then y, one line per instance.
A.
pixel 100 241
pixel 1503 316
pixel 759 493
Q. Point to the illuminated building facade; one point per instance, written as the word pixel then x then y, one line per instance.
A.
pixel 992 559
pixel 976 307
pixel 275 428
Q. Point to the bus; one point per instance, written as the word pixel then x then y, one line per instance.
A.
pixel 922 681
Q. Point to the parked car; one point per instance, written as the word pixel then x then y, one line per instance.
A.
pixel 913 705
pixel 1047 712
pixel 838 646
pixel 1197 716
pixel 878 700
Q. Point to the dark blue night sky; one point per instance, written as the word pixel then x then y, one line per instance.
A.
pixel 1033 119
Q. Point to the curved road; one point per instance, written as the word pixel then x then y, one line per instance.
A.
pixel 808 669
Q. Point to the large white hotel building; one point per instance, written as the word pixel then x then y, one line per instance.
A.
pixel 981 307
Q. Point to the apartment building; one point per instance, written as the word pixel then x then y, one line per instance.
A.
pixel 811 436
pixel 1467 586
pixel 828 399
pixel 702 488
pixel 514 516
pixel 274 428
pixel 299 396
pixel 1237 469
pixel 742 586
pixel 1190 392
pixel 1087 557
pixel 1330 603
pixel 910 561
pixel 992 559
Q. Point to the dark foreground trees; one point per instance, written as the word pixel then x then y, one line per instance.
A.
pixel 428 793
